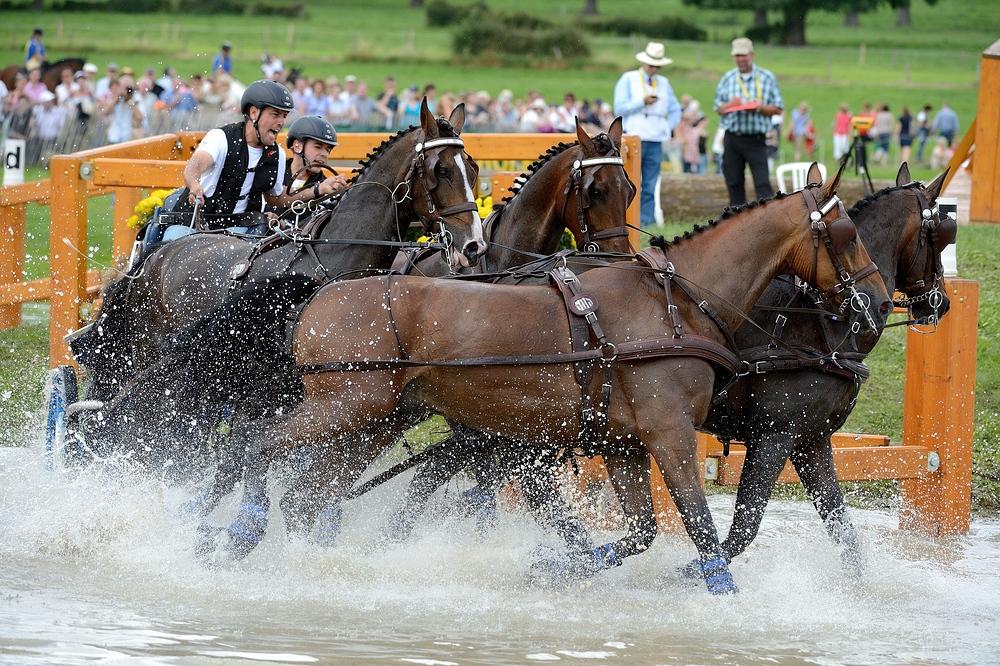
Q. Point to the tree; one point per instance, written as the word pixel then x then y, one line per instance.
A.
pixel 792 29
pixel 590 8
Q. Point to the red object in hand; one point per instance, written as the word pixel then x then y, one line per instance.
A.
pixel 748 106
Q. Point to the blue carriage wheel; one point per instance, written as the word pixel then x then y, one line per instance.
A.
pixel 61 393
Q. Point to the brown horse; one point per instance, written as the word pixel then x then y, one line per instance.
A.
pixel 51 72
pixel 419 175
pixel 582 187
pixel 367 347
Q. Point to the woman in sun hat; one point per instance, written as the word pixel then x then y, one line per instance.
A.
pixel 649 109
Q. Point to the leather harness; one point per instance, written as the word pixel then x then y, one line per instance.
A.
pixel 426 156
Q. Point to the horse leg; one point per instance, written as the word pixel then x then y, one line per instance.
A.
pixel 678 463
pixel 535 472
pixel 313 500
pixel 764 461
pixel 431 475
pixel 629 474
pixel 813 462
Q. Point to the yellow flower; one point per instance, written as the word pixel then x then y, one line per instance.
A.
pixel 145 208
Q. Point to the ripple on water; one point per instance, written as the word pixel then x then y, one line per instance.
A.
pixel 99 566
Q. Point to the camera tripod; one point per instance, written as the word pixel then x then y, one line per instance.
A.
pixel 859 155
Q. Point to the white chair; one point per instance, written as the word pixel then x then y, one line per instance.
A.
pixel 799 171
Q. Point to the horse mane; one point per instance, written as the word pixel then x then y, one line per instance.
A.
pixel 872 198
pixel 444 127
pixel 727 212
pixel 602 141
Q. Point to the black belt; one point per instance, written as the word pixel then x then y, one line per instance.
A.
pixel 748 133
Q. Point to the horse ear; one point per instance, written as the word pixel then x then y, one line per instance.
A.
pixel 832 183
pixel 903 177
pixel 934 189
pixel 615 132
pixel 457 118
pixel 585 142
pixel 814 177
pixel 427 121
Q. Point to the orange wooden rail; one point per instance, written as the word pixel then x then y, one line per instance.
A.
pixel 127 170
pixel 984 205
pixel 934 462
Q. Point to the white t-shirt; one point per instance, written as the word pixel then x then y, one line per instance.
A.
pixel 216 145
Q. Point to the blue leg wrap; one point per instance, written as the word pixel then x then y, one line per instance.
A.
pixel 717 576
pixel 248 529
pixel 195 507
pixel 483 504
pixel 606 557
pixel 329 526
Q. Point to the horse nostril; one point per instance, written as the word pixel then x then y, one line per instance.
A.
pixel 471 253
pixel 886 307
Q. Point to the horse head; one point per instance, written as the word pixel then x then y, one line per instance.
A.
pixel 919 269
pixel 441 182
pixel 833 260
pixel 602 191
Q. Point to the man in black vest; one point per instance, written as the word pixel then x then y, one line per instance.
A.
pixel 239 167
pixel 311 139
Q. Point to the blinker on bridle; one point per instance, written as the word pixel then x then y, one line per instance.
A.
pixel 935 234
pixel 581 182
pixel 425 160
pixel 836 236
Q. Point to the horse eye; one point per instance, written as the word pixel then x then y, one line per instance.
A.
pixel 595 193
pixel 442 172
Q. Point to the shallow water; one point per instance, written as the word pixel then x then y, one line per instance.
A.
pixel 99 567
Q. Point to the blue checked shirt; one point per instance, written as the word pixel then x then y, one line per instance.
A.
pixel 748 122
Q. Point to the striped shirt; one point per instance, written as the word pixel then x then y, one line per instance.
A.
pixel 761 87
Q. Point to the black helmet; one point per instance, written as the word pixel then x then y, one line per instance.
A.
pixel 266 93
pixel 312 127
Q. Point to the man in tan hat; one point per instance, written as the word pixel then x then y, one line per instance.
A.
pixel 649 109
pixel 746 97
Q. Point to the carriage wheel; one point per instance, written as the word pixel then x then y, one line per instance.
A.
pixel 61 392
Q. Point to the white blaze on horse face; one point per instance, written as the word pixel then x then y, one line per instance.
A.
pixel 477 223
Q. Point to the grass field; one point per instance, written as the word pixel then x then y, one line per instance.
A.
pixel 933 61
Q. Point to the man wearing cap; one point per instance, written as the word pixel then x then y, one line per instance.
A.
pixel 103 83
pixel 746 97
pixel 34 51
pixel 649 109
pixel 222 62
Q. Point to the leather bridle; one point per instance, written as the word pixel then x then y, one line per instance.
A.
pixel 836 236
pixel 934 236
pixel 427 154
pixel 581 177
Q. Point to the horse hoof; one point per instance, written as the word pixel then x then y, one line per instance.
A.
pixel 209 543
pixel 691 570
pixel 328 528
pixel 549 569
pixel 194 508
pixel 717 577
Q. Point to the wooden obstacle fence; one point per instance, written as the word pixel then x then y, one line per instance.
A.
pixel 933 463
pixel 126 170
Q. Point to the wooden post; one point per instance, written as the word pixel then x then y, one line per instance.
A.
pixel 984 205
pixel 68 268
pixel 938 409
pixel 126 199
pixel 12 223
pixel 632 154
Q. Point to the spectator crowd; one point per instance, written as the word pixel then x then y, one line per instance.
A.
pixel 89 108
